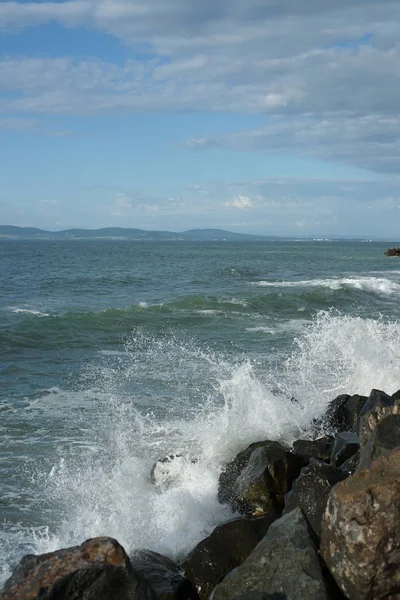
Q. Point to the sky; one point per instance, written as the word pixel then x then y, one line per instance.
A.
pixel 275 117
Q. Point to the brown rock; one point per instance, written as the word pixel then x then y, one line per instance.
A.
pixel 99 569
pixel 361 532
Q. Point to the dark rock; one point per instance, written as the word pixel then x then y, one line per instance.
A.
pixel 226 548
pixel 320 449
pixel 360 540
pixel 283 565
pixel 99 569
pixel 162 574
pixel 384 438
pixel 346 445
pixel 350 465
pixel 259 478
pixel 377 400
pixel 393 251
pixel 381 406
pixel 396 395
pixel 343 412
pixel 310 492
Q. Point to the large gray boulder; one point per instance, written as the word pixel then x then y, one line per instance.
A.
pixel 99 569
pixel 360 540
pixel 283 565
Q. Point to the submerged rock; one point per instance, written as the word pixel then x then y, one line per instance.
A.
pixel 99 569
pixel 258 479
pixel 226 548
pixel 311 490
pixel 320 448
pixel 360 540
pixel 283 565
pixel 163 576
pixel 168 472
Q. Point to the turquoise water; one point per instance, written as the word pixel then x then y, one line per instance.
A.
pixel 113 354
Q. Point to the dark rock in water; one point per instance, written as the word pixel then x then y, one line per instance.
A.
pixel 384 438
pixel 343 412
pixel 320 449
pixel 226 548
pixel 346 445
pixel 162 574
pixel 168 472
pixel 283 565
pixel 393 251
pixel 260 478
pixel 361 531
pixel 99 569
pixel 310 492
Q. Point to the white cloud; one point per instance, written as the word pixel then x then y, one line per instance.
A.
pixel 240 201
pixel 326 72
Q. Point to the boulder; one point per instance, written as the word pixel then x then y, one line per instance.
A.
pixel 283 565
pixel 343 412
pixel 162 575
pixel 393 251
pixel 360 540
pixel 99 569
pixel 258 479
pixel 226 548
pixel 384 438
pixel 346 445
pixel 310 492
pixel 379 407
pixel 320 448
pixel 168 472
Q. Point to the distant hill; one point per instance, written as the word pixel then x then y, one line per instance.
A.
pixel 120 233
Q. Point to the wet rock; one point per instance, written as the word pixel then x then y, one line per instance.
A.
pixel 259 478
pixel 320 448
pixel 310 492
pixel 346 445
pixel 99 569
pixel 162 575
pixel 384 438
pixel 361 531
pixel 377 400
pixel 283 565
pixel 380 407
pixel 169 471
pixel 350 465
pixel 226 548
pixel 393 251
pixel 343 412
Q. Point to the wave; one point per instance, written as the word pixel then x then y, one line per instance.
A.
pixel 378 285
pixel 165 396
pixel 29 311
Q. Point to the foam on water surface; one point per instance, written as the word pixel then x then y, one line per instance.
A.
pixel 379 285
pixel 210 407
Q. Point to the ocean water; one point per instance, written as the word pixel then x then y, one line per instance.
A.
pixel 114 354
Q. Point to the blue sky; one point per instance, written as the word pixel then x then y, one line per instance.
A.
pixel 274 117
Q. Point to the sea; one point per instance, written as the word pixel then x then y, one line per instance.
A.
pixel 114 354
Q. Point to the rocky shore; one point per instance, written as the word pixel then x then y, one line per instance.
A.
pixel 319 520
